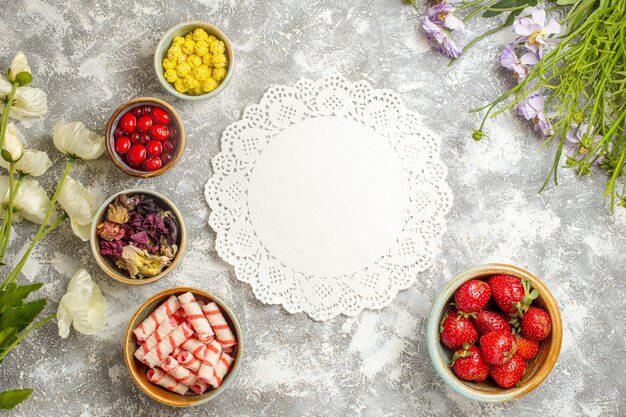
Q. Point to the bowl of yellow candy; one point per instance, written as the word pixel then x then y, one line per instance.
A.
pixel 194 60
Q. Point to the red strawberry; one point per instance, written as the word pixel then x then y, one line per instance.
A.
pixel 468 364
pixel 511 294
pixel 456 329
pixel 526 348
pixel 472 296
pixel 487 321
pixel 536 324
pixel 509 374
pixel 497 347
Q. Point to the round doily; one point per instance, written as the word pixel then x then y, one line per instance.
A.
pixel 328 197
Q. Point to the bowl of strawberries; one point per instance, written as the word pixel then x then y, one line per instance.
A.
pixel 494 333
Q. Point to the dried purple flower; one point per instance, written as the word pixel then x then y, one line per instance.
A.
pixel 441 14
pixel 110 230
pixel 172 228
pixel 148 205
pixel 113 248
pixel 139 238
pixel 438 39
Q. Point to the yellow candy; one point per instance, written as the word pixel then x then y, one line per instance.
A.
pixel 183 69
pixel 188 46
pixel 219 60
pixel 209 85
pixel 201 48
pixel 200 35
pixel 218 47
pixel 197 91
pixel 174 52
pixel 201 73
pixel 181 58
pixel 178 40
pixel 180 86
pixel 191 82
pixel 168 64
pixel 194 61
pixel 219 74
pixel 170 75
pixel 208 59
pixel 211 39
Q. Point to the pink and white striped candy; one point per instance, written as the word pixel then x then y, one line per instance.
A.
pixel 147 327
pixel 179 372
pixel 223 365
pixel 157 376
pixel 167 345
pixel 216 319
pixel 214 351
pixel 198 320
pixel 196 347
pixel 189 361
pixel 199 387
pixel 164 329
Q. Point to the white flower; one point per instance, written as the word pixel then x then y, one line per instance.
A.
pixel 28 102
pixel 12 149
pixel 76 140
pixel 33 163
pixel 31 202
pixel 83 304
pixel 19 70
pixel 79 204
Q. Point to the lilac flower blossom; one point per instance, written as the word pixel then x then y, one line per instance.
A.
pixel 534 31
pixel 579 144
pixel 520 66
pixel 441 14
pixel 532 108
pixel 439 40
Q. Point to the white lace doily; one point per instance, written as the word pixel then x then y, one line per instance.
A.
pixel 328 197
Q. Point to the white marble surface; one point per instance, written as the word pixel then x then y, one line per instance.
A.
pixel 90 58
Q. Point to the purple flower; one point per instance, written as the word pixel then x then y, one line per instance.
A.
pixel 534 31
pixel 111 248
pixel 579 144
pixel 519 66
pixel 138 238
pixel 438 39
pixel 154 225
pixel 532 108
pixel 441 14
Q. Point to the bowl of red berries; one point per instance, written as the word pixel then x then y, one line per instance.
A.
pixel 145 137
pixel 494 333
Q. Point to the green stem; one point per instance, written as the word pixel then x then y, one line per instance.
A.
pixel 41 233
pixel 25 333
pixel 14 188
pixel 5 113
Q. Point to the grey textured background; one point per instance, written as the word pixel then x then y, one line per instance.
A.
pixel 90 58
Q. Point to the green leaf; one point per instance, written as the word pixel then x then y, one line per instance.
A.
pixel 9 399
pixel 7 336
pixel 20 317
pixel 14 295
pixel 503 4
pixel 511 17
pixel 565 2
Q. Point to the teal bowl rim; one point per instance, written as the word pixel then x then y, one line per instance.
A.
pixel 197 399
pixel 166 40
pixel 435 348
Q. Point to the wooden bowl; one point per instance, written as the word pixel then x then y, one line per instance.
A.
pixel 182 29
pixel 138 370
pixel 107 265
pixel 537 369
pixel 110 140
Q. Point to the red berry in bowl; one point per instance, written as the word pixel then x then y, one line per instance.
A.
pixel 174 132
pixel 154 148
pixel 507 292
pixel 128 123
pixel 456 329
pixel 526 348
pixel 468 364
pixel 472 296
pixel 134 137
pixel 509 374
pixel 166 157
pixel 144 123
pixel 118 133
pixel 160 116
pixel 144 138
pixel 122 145
pixel 159 132
pixel 137 111
pixel 147 109
pixel 497 347
pixel 487 321
pixel 536 324
pixel 136 155
pixel 153 163
pixel 168 146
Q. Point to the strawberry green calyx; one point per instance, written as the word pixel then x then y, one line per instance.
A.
pixel 530 294
pixel 464 353
pixel 508 355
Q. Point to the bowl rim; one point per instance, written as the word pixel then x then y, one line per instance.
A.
pixel 130 346
pixel 135 172
pixel 442 300
pixel 119 276
pixel 167 38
